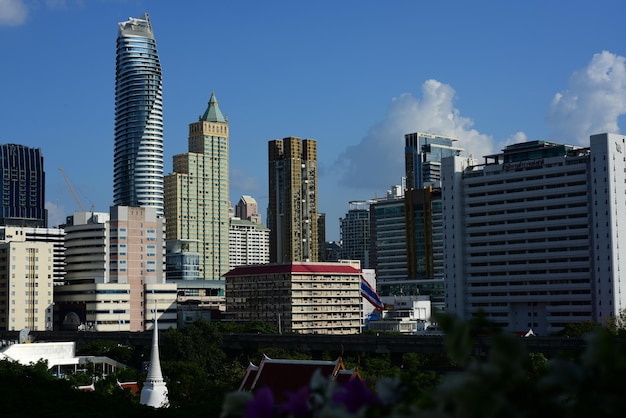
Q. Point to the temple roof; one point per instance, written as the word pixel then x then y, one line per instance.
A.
pixel 282 376
pixel 213 113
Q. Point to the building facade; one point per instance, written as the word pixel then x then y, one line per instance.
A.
pixel 532 236
pixel 54 236
pixel 197 193
pixel 26 284
pixel 138 153
pixel 388 244
pixel 307 298
pixel 22 195
pixel 115 272
pixel 249 243
pixel 292 215
pixel 424 244
pixel 355 233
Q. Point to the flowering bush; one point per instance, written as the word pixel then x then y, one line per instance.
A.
pixel 321 398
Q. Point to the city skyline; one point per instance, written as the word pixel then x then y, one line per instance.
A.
pixel 355 78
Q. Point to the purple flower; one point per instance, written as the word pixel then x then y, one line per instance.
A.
pixel 297 404
pixel 262 406
pixel 354 395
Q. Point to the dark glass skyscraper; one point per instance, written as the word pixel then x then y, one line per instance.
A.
pixel 22 194
pixel 138 155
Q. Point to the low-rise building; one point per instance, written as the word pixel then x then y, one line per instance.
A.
pixel 308 298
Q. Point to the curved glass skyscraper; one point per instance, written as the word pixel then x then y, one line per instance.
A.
pixel 138 155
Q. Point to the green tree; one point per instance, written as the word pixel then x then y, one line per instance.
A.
pixel 199 342
pixel 579 329
pixel 107 348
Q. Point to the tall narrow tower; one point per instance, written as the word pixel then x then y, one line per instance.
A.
pixel 154 391
pixel 22 195
pixel 292 211
pixel 138 154
pixel 196 193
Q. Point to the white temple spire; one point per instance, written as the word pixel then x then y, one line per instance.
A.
pixel 154 391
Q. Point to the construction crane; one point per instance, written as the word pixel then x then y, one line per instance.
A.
pixel 80 205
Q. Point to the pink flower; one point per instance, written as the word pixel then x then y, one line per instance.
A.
pixel 355 395
pixel 297 404
pixel 262 406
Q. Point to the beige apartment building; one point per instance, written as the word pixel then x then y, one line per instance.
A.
pixel 307 298
pixel 26 284
pixel 292 215
pixel 197 201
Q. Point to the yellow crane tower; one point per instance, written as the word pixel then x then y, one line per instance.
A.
pixel 67 180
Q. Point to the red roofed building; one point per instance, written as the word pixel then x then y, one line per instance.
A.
pixel 307 298
pixel 288 376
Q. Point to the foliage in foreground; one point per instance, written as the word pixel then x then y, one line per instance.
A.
pixel 505 382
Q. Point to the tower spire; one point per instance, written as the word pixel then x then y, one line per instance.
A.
pixel 154 391
pixel 213 113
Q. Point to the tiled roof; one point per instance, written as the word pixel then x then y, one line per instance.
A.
pixel 248 378
pixel 133 386
pixel 301 268
pixel 288 376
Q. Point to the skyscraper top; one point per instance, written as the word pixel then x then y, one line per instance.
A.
pixel 138 153
pixel 213 113
pixel 140 26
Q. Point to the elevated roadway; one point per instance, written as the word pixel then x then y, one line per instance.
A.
pixel 315 344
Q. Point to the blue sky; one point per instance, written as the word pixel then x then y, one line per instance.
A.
pixel 354 75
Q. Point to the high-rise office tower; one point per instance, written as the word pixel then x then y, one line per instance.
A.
pixel 292 210
pixel 424 246
pixel 388 249
pixel 355 233
pixel 138 155
pixel 423 153
pixel 22 195
pixel 196 193
pixel 423 212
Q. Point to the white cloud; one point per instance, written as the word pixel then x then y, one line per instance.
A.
pixel 593 102
pixel 516 138
pixel 378 160
pixel 13 12
pixel 56 214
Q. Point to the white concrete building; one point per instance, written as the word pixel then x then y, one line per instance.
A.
pixel 248 242
pixel 56 236
pixel 532 236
